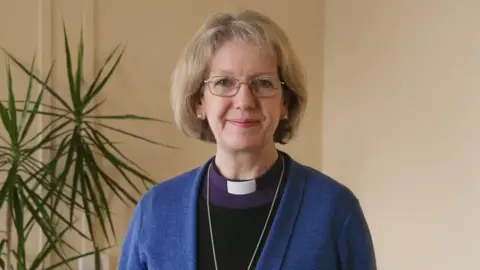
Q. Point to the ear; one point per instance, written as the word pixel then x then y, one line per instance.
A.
pixel 285 102
pixel 284 111
pixel 199 108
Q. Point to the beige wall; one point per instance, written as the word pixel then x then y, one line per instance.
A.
pixel 391 112
pixel 401 125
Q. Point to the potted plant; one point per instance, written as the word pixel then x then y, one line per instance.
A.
pixel 72 177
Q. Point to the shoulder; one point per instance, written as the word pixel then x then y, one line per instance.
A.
pixel 321 190
pixel 169 192
pixel 320 182
pixel 325 198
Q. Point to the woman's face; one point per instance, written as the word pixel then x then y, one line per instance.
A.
pixel 245 119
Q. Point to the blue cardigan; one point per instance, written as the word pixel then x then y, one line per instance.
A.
pixel 319 225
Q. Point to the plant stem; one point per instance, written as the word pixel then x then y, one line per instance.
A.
pixel 9 221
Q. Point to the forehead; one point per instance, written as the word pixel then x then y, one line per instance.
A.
pixel 242 58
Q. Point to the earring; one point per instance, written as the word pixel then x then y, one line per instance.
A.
pixel 285 116
pixel 200 116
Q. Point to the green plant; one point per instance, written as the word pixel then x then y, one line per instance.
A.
pixel 74 177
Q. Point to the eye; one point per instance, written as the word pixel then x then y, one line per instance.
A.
pixel 224 82
pixel 263 83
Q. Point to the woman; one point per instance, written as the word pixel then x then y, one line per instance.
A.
pixel 239 85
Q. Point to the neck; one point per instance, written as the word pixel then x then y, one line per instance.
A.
pixel 245 165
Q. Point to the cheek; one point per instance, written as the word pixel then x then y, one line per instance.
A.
pixel 216 109
pixel 273 111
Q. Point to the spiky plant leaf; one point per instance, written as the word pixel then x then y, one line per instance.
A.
pixel 17 158
pixel 76 174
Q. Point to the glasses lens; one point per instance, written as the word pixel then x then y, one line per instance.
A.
pixel 265 86
pixel 223 86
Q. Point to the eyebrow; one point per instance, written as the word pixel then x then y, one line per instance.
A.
pixel 230 73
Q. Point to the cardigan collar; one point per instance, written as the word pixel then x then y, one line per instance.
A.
pixel 264 187
pixel 282 227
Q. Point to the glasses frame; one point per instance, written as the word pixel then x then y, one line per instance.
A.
pixel 239 84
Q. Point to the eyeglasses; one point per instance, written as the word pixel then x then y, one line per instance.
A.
pixel 225 86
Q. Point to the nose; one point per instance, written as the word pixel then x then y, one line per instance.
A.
pixel 244 99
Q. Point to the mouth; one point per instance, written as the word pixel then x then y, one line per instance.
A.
pixel 244 123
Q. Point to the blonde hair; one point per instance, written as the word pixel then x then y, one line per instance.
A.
pixel 193 67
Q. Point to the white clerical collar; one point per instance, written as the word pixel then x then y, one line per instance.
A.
pixel 241 187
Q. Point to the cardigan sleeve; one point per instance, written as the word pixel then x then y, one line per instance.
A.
pixel 355 242
pixel 130 258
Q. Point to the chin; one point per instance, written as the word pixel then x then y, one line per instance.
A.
pixel 244 144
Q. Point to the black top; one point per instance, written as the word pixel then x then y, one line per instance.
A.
pixel 237 220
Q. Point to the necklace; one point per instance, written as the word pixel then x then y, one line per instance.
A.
pixel 264 227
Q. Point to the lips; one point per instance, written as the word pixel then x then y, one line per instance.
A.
pixel 245 122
